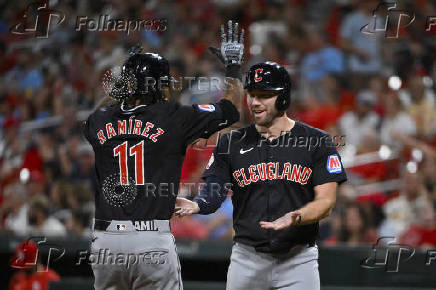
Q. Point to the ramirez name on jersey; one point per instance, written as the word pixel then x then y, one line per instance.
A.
pixel 135 127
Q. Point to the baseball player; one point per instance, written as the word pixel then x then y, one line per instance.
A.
pixel 284 175
pixel 139 144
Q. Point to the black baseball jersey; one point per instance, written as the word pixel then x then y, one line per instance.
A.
pixel 272 178
pixel 139 154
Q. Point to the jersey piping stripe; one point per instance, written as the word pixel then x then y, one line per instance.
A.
pixel 179 266
pixel 130 110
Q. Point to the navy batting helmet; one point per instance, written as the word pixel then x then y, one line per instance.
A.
pixel 142 76
pixel 270 76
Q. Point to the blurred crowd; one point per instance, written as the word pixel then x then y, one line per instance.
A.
pixel 376 94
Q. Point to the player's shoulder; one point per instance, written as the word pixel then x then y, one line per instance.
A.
pixel 173 107
pixel 168 107
pixel 191 108
pixel 317 141
pixel 238 135
pixel 305 129
pixel 103 112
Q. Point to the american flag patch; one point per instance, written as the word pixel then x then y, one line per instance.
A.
pixel 207 108
pixel 334 164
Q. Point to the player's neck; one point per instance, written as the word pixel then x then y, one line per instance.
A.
pixel 278 127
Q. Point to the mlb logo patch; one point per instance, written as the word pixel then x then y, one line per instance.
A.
pixel 207 108
pixel 334 164
pixel 121 227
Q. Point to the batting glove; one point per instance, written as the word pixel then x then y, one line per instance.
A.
pixel 232 49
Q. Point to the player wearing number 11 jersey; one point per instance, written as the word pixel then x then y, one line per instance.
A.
pixel 139 144
pixel 139 154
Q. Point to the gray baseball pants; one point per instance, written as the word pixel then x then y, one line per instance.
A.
pixel 124 258
pixel 296 270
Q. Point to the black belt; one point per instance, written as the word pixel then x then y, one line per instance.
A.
pixel 101 225
pixel 270 250
pixel 142 225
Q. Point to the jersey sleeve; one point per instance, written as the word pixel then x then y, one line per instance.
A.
pixel 201 121
pixel 327 163
pixel 212 195
pixel 85 130
pixel 219 162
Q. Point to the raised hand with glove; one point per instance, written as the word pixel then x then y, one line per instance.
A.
pixel 231 55
pixel 232 50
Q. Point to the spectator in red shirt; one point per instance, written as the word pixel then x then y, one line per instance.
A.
pixel 32 274
pixel 326 112
pixel 372 171
pixel 422 234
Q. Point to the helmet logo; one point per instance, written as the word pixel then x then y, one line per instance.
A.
pixel 257 78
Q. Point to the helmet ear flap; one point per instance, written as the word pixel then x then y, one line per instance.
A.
pixel 284 98
pixel 282 101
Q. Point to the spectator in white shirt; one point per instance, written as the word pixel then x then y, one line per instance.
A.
pixel 15 208
pixel 404 210
pixel 40 223
pixel 396 121
pixel 355 124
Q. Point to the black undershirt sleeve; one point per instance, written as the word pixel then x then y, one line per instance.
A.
pixel 212 195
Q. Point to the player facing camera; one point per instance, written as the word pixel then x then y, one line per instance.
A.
pixel 268 88
pixel 279 193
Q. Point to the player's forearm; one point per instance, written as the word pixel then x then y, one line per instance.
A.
pixel 316 210
pixel 234 92
pixel 211 196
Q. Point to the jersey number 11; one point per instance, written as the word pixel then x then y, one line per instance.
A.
pixel 138 151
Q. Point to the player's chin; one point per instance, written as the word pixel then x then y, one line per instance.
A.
pixel 261 121
pixel 257 117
